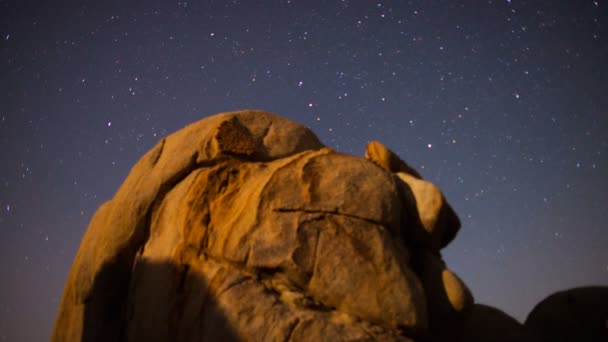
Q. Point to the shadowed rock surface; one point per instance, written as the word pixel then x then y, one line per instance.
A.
pixel 243 226
pixel 579 314
pixel 491 324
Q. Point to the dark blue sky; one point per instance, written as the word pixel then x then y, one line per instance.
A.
pixel 504 104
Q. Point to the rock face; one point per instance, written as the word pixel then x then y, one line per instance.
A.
pixel 243 226
pixel 579 314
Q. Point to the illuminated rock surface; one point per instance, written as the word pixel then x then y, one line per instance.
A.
pixel 243 226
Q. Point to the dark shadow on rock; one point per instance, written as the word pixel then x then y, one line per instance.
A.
pixel 448 300
pixel 104 306
pixel 158 301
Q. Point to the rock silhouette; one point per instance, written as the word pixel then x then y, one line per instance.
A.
pixel 245 227
pixel 579 314
pixel 487 323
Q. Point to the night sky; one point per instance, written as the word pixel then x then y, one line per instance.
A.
pixel 503 104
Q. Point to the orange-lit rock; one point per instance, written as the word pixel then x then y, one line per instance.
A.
pixel 243 226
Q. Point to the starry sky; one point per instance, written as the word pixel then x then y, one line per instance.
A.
pixel 503 104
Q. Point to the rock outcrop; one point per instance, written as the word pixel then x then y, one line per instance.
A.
pixel 491 324
pixel 579 314
pixel 243 226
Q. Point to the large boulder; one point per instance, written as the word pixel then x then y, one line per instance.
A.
pixel 488 323
pixel 243 226
pixel 579 314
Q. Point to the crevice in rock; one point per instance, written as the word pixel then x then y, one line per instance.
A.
pixel 309 181
pixel 292 327
pixel 265 133
pixel 205 222
pixel 328 212
pixel 272 179
pixel 183 276
pixel 243 279
pixel 163 190
pixel 264 277
pixel 316 254
pixel 158 153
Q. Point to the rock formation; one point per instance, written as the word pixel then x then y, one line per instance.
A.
pixel 491 324
pixel 245 227
pixel 579 314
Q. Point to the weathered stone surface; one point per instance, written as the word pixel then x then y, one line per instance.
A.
pixel 448 298
pixel 438 219
pixel 487 323
pixel 243 226
pixel 118 228
pixel 388 160
pixel 579 314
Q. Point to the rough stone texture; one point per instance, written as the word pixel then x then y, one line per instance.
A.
pixel 449 301
pixel 388 160
pixel 243 226
pixel 579 314
pixel 491 324
pixel 440 222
